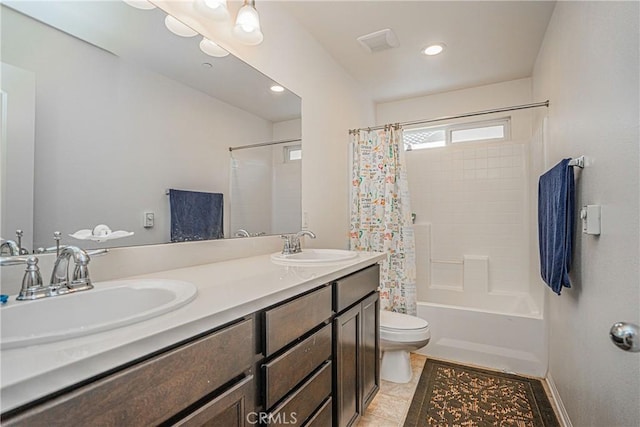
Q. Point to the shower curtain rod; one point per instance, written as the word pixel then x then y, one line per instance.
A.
pixel 461 116
pixel 264 144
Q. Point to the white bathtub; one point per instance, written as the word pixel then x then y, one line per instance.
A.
pixel 507 333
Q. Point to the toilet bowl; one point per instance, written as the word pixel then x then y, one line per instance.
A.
pixel 399 335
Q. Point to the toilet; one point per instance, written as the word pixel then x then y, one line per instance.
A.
pixel 399 335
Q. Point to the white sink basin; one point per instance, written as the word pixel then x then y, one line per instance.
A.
pixel 109 305
pixel 314 257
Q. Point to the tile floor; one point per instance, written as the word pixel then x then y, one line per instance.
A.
pixel 390 406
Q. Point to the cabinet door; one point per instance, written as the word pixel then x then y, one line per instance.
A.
pixel 347 330
pixel 370 350
pixel 154 390
pixel 230 409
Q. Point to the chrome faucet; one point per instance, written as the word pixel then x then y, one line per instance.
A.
pixel 13 247
pixel 292 241
pixel 9 247
pixel 79 281
pixel 61 283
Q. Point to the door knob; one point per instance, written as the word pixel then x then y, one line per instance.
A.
pixel 626 336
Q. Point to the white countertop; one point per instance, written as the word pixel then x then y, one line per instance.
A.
pixel 226 291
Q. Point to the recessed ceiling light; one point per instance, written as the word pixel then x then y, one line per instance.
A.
pixel 434 49
pixel 277 88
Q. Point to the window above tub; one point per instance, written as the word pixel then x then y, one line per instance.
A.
pixel 419 138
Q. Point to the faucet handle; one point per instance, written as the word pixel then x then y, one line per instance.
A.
pixel 287 249
pixel 31 281
pixel 32 277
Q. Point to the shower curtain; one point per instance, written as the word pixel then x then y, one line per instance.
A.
pixel 381 213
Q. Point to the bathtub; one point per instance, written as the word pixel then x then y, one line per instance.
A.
pixel 508 333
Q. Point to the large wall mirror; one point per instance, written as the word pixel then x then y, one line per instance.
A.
pixel 104 111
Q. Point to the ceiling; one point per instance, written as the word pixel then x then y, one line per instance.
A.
pixel 486 41
pixel 140 36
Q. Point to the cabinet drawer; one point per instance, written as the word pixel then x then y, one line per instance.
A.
pixel 287 370
pixel 154 390
pixel 324 416
pixel 304 401
pixel 230 409
pixel 354 287
pixel 285 323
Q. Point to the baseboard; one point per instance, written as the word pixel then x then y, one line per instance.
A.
pixel 561 410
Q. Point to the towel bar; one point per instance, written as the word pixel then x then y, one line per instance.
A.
pixel 578 161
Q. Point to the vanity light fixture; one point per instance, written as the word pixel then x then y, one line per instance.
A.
pixel 212 49
pixel 247 28
pixel 277 88
pixel 178 28
pixel 434 49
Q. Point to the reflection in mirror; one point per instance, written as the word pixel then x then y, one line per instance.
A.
pixel 265 188
pixel 103 110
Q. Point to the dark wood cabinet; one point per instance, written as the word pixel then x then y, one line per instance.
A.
pixel 230 409
pixel 297 372
pixel 347 328
pixel 155 390
pixel 370 349
pixel 312 360
pixel 356 345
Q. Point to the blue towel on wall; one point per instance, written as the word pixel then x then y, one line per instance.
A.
pixel 556 199
pixel 195 215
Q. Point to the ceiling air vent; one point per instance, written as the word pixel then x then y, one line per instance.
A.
pixel 379 40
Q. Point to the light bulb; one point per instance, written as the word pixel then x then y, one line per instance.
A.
pixel 214 9
pixel 247 28
pixel 178 28
pixel 212 49
pixel 277 88
pixel 248 19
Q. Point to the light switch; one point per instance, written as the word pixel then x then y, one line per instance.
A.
pixel 148 219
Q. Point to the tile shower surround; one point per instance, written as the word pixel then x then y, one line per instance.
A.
pixel 475 195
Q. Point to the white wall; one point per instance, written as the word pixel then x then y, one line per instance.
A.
pixel 474 195
pixel 17 123
pixel 112 137
pixel 588 68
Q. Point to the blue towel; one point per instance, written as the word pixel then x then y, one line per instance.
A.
pixel 195 215
pixel 556 199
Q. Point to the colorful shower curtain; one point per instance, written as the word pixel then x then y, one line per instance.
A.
pixel 381 213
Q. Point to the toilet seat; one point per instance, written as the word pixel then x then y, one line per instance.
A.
pixel 400 327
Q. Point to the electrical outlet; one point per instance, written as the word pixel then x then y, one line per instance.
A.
pixel 149 220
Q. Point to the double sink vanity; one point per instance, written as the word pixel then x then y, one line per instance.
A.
pixel 266 340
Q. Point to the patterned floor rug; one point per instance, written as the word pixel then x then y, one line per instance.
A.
pixel 456 395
